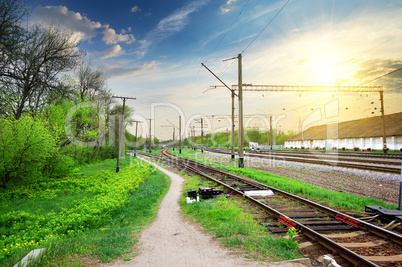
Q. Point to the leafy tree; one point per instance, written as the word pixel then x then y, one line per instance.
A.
pixel 25 146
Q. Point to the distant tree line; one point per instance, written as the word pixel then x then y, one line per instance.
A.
pixel 50 121
pixel 224 139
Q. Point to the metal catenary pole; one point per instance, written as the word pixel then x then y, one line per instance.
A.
pixel 241 140
pixel 202 136
pixel 233 126
pixel 233 94
pixel 400 190
pixel 179 134
pixel 270 130
pixel 135 141
pixel 150 148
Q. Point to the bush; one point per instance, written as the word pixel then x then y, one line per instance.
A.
pixel 356 149
pixel 368 149
pixel 26 146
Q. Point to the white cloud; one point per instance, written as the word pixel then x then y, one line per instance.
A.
pixel 119 71
pixel 114 51
pixel 111 37
pixel 135 9
pixel 171 24
pixel 79 25
pixel 227 7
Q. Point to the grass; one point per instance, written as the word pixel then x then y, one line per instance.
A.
pixel 104 237
pixel 332 199
pixel 237 229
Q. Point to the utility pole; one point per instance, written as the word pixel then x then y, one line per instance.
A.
pixel 384 137
pixel 202 136
pixel 121 127
pixel 233 95
pixel 233 126
pixel 270 130
pixel 194 145
pixel 174 127
pixel 227 137
pixel 240 84
pixel 135 142
pixel 179 134
pixel 150 148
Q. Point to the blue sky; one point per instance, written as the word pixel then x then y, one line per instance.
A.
pixel 153 50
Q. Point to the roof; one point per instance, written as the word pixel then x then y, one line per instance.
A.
pixel 368 127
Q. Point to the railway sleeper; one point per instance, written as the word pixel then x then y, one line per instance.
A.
pixel 306 215
pixel 384 259
pixel 328 228
pixel 286 210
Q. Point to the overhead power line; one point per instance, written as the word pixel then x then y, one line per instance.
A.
pixel 244 50
pixel 231 25
pixel 382 76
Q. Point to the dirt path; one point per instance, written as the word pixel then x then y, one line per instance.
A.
pixel 172 241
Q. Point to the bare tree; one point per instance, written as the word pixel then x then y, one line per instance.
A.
pixel 30 80
pixel 92 82
pixel 11 32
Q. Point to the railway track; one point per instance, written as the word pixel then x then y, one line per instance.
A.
pixel 340 154
pixel 387 166
pixel 364 244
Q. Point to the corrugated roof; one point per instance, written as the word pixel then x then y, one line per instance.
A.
pixel 368 127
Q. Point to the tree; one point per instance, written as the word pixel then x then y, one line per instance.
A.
pixel 11 33
pixel 91 82
pixel 25 147
pixel 31 80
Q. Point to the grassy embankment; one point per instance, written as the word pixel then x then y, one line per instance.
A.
pixel 93 214
pixel 235 228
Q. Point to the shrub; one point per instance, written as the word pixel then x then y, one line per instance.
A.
pixel 25 145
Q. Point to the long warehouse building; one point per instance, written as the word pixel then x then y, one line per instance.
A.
pixel 362 134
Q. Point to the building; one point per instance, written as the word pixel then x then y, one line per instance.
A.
pixel 363 134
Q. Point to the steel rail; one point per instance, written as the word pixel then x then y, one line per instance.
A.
pixel 342 154
pixel 322 162
pixel 338 158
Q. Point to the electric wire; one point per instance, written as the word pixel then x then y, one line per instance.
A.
pixel 255 38
pixel 382 76
pixel 224 35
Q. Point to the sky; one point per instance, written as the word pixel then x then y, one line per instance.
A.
pixel 153 50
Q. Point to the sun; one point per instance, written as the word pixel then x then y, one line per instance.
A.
pixel 326 70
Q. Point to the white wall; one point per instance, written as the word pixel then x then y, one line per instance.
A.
pixel 375 143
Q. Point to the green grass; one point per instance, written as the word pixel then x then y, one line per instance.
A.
pixel 237 229
pixel 332 199
pixel 103 237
